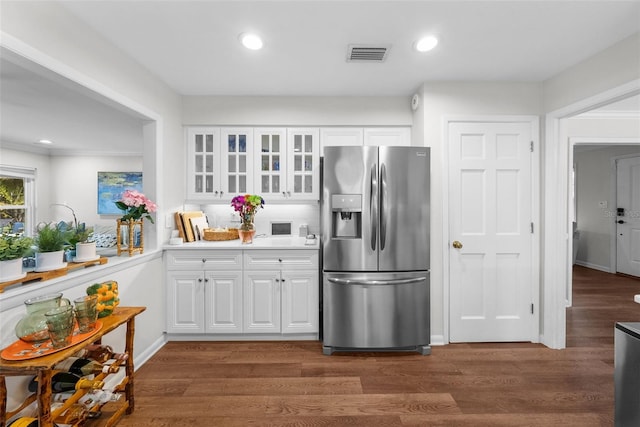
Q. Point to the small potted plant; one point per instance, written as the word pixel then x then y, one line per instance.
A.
pixel 83 249
pixel 51 241
pixel 12 248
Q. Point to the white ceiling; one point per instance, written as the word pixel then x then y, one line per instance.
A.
pixel 193 46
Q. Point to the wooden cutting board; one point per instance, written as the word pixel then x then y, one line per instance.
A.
pixel 186 220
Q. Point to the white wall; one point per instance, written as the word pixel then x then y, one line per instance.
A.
pixel 608 69
pixel 444 99
pixel 297 111
pixel 71 180
pixel 595 180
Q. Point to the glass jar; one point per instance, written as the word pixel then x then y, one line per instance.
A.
pixel 33 327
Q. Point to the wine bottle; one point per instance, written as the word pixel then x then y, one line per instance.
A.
pixel 82 367
pixel 112 382
pixel 66 381
pixel 100 353
pixel 25 422
pixel 98 397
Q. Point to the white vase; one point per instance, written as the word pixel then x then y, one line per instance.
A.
pixel 47 261
pixel 11 270
pixel 85 252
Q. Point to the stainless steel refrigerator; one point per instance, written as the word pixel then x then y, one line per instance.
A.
pixel 375 239
pixel 627 374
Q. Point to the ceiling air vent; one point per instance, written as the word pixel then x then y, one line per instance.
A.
pixel 366 53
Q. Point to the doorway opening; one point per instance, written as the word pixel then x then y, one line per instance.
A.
pixel 593 203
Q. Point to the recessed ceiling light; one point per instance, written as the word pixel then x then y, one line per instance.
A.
pixel 45 141
pixel 425 44
pixel 251 41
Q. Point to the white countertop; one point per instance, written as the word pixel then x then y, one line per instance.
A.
pixel 261 242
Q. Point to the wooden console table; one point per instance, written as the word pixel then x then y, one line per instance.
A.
pixel 43 368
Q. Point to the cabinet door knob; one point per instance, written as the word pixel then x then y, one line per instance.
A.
pixel 279 259
pixel 200 279
pixel 204 260
pixel 206 280
pixel 221 193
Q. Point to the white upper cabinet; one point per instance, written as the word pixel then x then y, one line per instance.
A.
pixel 219 163
pixel 237 161
pixel 271 162
pixel 393 136
pixel 303 164
pixel 332 136
pixel 287 164
pixel 203 163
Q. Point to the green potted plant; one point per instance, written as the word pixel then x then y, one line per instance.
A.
pixel 12 248
pixel 83 249
pixel 51 241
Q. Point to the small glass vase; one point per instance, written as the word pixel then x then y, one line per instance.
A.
pixel 246 233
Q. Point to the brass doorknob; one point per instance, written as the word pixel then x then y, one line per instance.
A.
pixel 457 244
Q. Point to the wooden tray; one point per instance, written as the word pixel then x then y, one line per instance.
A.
pixel 21 350
pixel 46 275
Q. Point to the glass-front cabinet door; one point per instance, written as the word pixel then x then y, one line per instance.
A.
pixel 203 163
pixel 237 161
pixel 303 163
pixel 271 163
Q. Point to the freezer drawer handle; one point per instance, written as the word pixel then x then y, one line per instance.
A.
pixel 376 282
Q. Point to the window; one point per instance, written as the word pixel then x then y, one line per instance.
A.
pixel 17 199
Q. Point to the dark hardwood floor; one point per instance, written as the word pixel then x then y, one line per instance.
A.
pixel 293 384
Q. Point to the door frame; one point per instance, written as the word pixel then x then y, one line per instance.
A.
pixel 556 260
pixel 534 122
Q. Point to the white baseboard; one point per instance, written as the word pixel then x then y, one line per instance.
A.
pixel 150 351
pixel 437 340
pixel 593 266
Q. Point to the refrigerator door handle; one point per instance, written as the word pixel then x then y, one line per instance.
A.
pixel 383 206
pixel 373 207
pixel 375 282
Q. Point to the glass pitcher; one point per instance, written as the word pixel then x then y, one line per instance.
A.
pixel 33 327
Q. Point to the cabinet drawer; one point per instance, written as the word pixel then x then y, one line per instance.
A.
pixel 280 260
pixel 204 260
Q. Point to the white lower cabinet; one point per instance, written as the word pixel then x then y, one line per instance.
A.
pixel 234 292
pixel 204 291
pixel 281 301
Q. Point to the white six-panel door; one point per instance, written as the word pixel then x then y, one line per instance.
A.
pixel 490 248
pixel 628 223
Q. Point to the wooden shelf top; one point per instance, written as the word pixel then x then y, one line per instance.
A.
pixel 120 316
